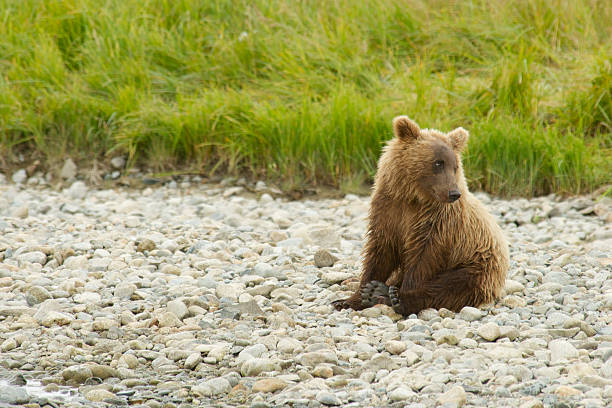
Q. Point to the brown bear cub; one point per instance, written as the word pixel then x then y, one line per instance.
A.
pixel 430 242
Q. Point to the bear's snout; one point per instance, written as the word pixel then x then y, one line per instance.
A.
pixel 453 195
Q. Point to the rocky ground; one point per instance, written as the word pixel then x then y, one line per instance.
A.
pixel 201 295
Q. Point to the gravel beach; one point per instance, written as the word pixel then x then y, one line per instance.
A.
pixel 193 294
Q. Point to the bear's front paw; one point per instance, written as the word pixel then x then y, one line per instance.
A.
pixel 375 293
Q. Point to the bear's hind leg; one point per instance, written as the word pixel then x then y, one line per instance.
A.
pixel 453 290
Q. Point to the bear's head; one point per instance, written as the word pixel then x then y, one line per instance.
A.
pixel 423 164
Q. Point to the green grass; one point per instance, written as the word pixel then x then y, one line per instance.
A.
pixel 303 92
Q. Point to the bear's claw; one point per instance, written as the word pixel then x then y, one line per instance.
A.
pixel 394 298
pixel 340 304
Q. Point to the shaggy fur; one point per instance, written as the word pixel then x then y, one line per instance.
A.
pixel 439 250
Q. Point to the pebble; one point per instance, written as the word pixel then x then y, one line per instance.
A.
pixel 470 314
pixel 401 393
pixel 212 387
pixel 565 391
pixel 125 290
pixel 395 347
pixel 335 277
pixel 69 170
pixel 269 385
pixel 99 395
pixel 322 259
pixel 489 331
pixel 513 286
pixel 53 318
pixel 323 371
pixel 21 212
pixel 327 398
pixel 532 403
pixel 118 162
pixel 13 395
pixel 33 257
pixel 169 319
pixel 185 294
pixel 255 366
pixel 77 373
pixel 36 295
pixel 19 177
pixel 178 308
pixel 455 396
pixel 561 350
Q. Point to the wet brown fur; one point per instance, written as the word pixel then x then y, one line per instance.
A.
pixel 439 253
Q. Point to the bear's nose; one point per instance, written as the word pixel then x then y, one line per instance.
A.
pixel 454 195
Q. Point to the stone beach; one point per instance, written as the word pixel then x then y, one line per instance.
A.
pixel 190 294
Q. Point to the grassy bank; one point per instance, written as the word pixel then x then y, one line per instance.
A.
pixel 304 91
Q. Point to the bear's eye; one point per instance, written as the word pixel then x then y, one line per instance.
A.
pixel 438 165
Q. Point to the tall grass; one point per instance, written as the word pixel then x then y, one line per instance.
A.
pixel 304 91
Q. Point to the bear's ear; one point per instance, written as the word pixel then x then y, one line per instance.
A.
pixel 405 129
pixel 458 138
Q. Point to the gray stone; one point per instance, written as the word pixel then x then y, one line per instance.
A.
pixel 169 319
pixel 77 373
pixel 401 393
pixel 455 395
pixel 78 190
pixel 20 176
pixel 513 286
pixel 8 345
pixel 395 347
pixel 489 331
pixel 87 298
pixel 212 387
pixel 53 318
pixel 606 369
pixel 289 345
pixel 145 245
pixel 102 324
pixel 323 258
pixel 254 351
pixel 118 162
pixel 255 366
pixel 13 395
pixel 178 308
pixel 36 295
pixel 250 308
pixel 69 170
pixel 470 314
pixel 335 277
pixel 21 212
pixel 561 350
pixel 445 336
pixel 327 398
pixel 125 290
pixel 98 395
pixel 33 257
pixel 314 358
pixel 193 360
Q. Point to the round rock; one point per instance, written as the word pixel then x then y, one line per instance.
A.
pixel 489 331
pixel 327 398
pixel 36 295
pixel 269 385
